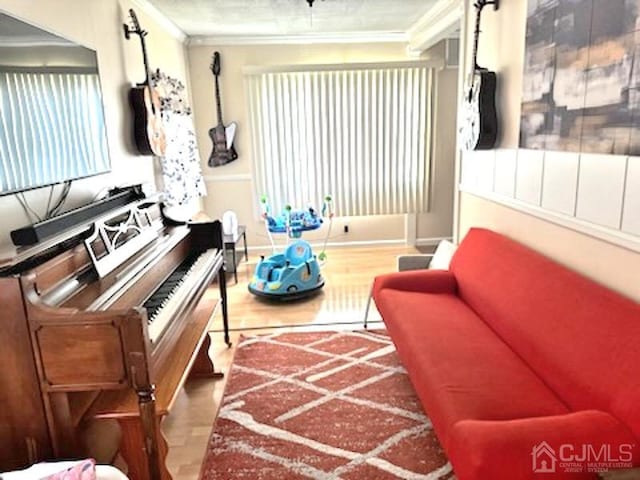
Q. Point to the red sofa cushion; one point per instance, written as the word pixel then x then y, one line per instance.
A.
pixel 474 445
pixel 458 366
pixel 582 339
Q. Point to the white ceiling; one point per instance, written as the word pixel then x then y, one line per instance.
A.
pixel 291 17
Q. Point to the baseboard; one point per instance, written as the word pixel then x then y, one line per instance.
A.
pixel 430 242
pixel 420 242
pixel 363 243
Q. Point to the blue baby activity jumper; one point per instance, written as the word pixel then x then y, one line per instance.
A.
pixel 294 273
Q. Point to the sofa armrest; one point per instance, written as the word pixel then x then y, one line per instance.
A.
pixel 425 281
pixel 524 448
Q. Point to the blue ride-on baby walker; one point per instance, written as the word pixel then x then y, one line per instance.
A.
pixel 294 273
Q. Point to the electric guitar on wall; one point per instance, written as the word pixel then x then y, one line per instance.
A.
pixel 479 128
pixel 222 136
pixel 148 133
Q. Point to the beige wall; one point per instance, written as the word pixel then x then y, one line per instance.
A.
pixel 230 187
pixel 98 25
pixel 608 264
pixel 502 49
pixel 439 222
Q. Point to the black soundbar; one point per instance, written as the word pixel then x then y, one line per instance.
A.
pixel 37 232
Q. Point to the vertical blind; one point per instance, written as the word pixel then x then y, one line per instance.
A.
pixel 51 128
pixel 361 135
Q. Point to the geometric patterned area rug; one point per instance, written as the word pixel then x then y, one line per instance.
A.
pixel 321 405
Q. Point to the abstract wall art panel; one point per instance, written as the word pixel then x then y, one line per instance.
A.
pixel 581 85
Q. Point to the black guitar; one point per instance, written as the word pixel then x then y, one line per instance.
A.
pixel 148 133
pixel 479 128
pixel 222 136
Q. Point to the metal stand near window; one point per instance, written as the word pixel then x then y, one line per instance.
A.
pixel 230 242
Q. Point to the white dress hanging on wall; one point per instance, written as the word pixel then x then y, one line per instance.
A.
pixel 181 171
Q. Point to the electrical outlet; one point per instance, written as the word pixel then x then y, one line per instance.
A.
pixel 346 229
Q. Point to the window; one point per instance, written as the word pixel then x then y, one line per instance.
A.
pixel 360 133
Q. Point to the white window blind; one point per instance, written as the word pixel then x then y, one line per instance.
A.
pixel 361 135
pixel 51 128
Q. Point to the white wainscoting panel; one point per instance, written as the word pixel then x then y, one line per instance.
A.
pixel 598 195
pixel 631 214
pixel 560 182
pixel 469 171
pixel 601 189
pixel 505 172
pixel 529 176
pixel 486 160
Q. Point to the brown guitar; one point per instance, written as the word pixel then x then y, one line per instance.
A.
pixel 148 133
pixel 222 136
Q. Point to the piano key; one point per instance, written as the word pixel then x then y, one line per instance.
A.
pixel 170 283
pixel 189 273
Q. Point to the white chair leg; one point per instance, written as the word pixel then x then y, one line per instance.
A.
pixel 366 312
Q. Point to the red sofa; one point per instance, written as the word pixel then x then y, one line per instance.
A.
pixel 508 350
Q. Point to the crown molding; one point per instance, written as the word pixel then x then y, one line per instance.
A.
pixel 440 22
pixel 159 17
pixel 352 37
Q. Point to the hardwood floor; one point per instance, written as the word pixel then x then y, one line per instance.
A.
pixel 341 304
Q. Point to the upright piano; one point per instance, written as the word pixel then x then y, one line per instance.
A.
pixel 105 321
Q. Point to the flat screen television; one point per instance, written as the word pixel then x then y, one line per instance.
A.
pixel 52 126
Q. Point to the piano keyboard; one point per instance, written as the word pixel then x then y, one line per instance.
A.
pixel 165 303
pixel 161 296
